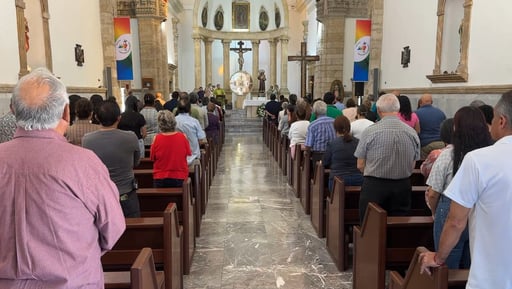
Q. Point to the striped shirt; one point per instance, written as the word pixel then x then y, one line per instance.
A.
pixel 389 148
pixel 320 133
pixel 79 128
pixel 150 115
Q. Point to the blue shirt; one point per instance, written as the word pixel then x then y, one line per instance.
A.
pixel 192 129
pixel 320 133
pixel 430 123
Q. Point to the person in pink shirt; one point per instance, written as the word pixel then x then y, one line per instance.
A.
pixel 60 211
pixel 406 115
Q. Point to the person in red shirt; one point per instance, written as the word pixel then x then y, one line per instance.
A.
pixel 169 153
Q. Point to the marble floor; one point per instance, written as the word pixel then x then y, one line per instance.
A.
pixel 255 233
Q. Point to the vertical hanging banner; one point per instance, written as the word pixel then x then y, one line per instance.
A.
pixel 362 50
pixel 123 45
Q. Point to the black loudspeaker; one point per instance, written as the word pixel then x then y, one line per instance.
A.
pixel 359 88
pixel 376 83
pixel 107 80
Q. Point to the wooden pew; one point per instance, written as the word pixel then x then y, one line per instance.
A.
pixel 342 214
pixel 145 180
pixel 289 163
pixel 319 192
pixel 153 199
pixel 145 164
pixel 142 274
pixel 305 176
pixel 162 234
pixel 441 278
pixel 384 242
pixel 283 159
pixel 296 169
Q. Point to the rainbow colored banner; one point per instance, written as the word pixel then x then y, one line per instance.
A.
pixel 362 50
pixel 123 45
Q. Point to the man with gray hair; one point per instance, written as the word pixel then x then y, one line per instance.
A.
pixel 480 192
pixel 321 131
pixel 60 211
pixel 386 155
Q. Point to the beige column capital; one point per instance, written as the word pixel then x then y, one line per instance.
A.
pixel 197 60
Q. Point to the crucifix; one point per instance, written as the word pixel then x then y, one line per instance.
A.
pixel 240 52
pixel 303 58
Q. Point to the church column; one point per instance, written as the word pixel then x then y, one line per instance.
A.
pixel 20 21
pixel 109 52
pixel 226 67
pixel 175 22
pixel 332 45
pixel 153 48
pixel 255 65
pixel 197 62
pixel 284 66
pixel 376 14
pixel 208 60
pixel 273 57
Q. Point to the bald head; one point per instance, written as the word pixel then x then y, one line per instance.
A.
pixel 426 99
pixel 39 100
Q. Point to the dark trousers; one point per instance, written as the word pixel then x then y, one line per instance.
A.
pixel 167 183
pixel 130 204
pixel 394 196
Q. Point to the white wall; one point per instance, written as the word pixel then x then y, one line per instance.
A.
pixel 76 22
pixel 490 43
pixel 410 23
pixel 185 51
pixel 9 47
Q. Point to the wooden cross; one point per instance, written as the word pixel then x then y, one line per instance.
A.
pixel 303 58
pixel 240 52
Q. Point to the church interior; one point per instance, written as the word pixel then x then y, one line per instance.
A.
pixel 255 232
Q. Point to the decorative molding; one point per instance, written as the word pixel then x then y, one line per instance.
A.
pixel 448 77
pixel 476 89
pixel 227 35
pixel 86 90
pixel 8 88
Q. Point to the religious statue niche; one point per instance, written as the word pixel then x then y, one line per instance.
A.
pixel 204 15
pixel 241 15
pixel 277 18
pixel 79 55
pixel 218 20
pixel 263 21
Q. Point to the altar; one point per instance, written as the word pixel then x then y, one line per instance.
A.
pixel 251 105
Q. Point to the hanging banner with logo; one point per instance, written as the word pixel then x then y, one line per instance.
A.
pixel 123 45
pixel 362 50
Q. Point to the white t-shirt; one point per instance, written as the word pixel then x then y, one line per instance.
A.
pixel 358 126
pixel 297 132
pixel 484 184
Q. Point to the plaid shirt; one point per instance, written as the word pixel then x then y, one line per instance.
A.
pixel 79 128
pixel 7 127
pixel 320 133
pixel 389 148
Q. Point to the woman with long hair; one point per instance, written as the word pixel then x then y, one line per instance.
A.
pixel 339 155
pixel 470 132
pixel 406 115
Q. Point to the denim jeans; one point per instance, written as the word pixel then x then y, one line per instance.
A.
pixel 130 205
pixel 350 180
pixel 167 183
pixel 459 257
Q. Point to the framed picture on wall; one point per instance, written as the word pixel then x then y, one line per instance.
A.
pixel 241 15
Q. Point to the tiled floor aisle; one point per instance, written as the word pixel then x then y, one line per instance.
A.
pixel 255 233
